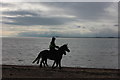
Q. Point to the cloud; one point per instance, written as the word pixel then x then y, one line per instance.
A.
pixel 39 34
pixel 84 10
pixel 39 16
pixel 107 33
pixel 5 4
pixel 20 13
pixel 30 21
pixel 116 25
pixel 85 19
pixel 72 33
pixel 56 11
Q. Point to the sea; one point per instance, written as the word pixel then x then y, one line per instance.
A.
pixel 84 52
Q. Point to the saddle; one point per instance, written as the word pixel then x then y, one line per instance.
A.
pixel 52 51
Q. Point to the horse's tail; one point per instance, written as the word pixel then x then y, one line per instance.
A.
pixel 39 56
pixel 37 59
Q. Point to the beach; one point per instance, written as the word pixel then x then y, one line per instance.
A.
pixel 15 71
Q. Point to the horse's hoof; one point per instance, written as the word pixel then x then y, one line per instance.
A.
pixel 40 66
pixel 53 67
pixel 60 68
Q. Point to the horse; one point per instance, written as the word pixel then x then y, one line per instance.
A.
pixel 56 56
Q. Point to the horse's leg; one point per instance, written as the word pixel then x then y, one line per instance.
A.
pixel 56 64
pixel 53 64
pixel 38 60
pixel 46 63
pixel 59 64
pixel 41 62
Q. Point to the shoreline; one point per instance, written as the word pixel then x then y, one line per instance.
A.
pixel 17 71
pixel 62 66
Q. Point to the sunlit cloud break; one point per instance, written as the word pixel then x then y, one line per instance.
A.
pixel 63 19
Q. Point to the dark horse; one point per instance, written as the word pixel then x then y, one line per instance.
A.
pixel 56 56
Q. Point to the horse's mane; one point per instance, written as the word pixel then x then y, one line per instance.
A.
pixel 62 46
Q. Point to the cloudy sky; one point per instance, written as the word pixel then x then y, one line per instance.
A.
pixel 65 19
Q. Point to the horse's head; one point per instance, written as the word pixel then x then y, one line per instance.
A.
pixel 65 48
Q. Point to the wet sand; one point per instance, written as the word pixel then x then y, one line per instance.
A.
pixel 15 71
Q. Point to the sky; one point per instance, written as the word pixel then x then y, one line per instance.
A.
pixel 63 19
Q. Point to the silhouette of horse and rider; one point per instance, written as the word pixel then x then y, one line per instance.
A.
pixel 52 54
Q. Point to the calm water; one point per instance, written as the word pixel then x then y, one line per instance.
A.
pixel 85 52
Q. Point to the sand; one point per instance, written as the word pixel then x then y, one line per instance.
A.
pixel 15 71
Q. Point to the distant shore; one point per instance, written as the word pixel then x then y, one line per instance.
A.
pixel 60 37
pixel 15 71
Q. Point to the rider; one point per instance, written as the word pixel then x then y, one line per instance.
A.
pixel 52 45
